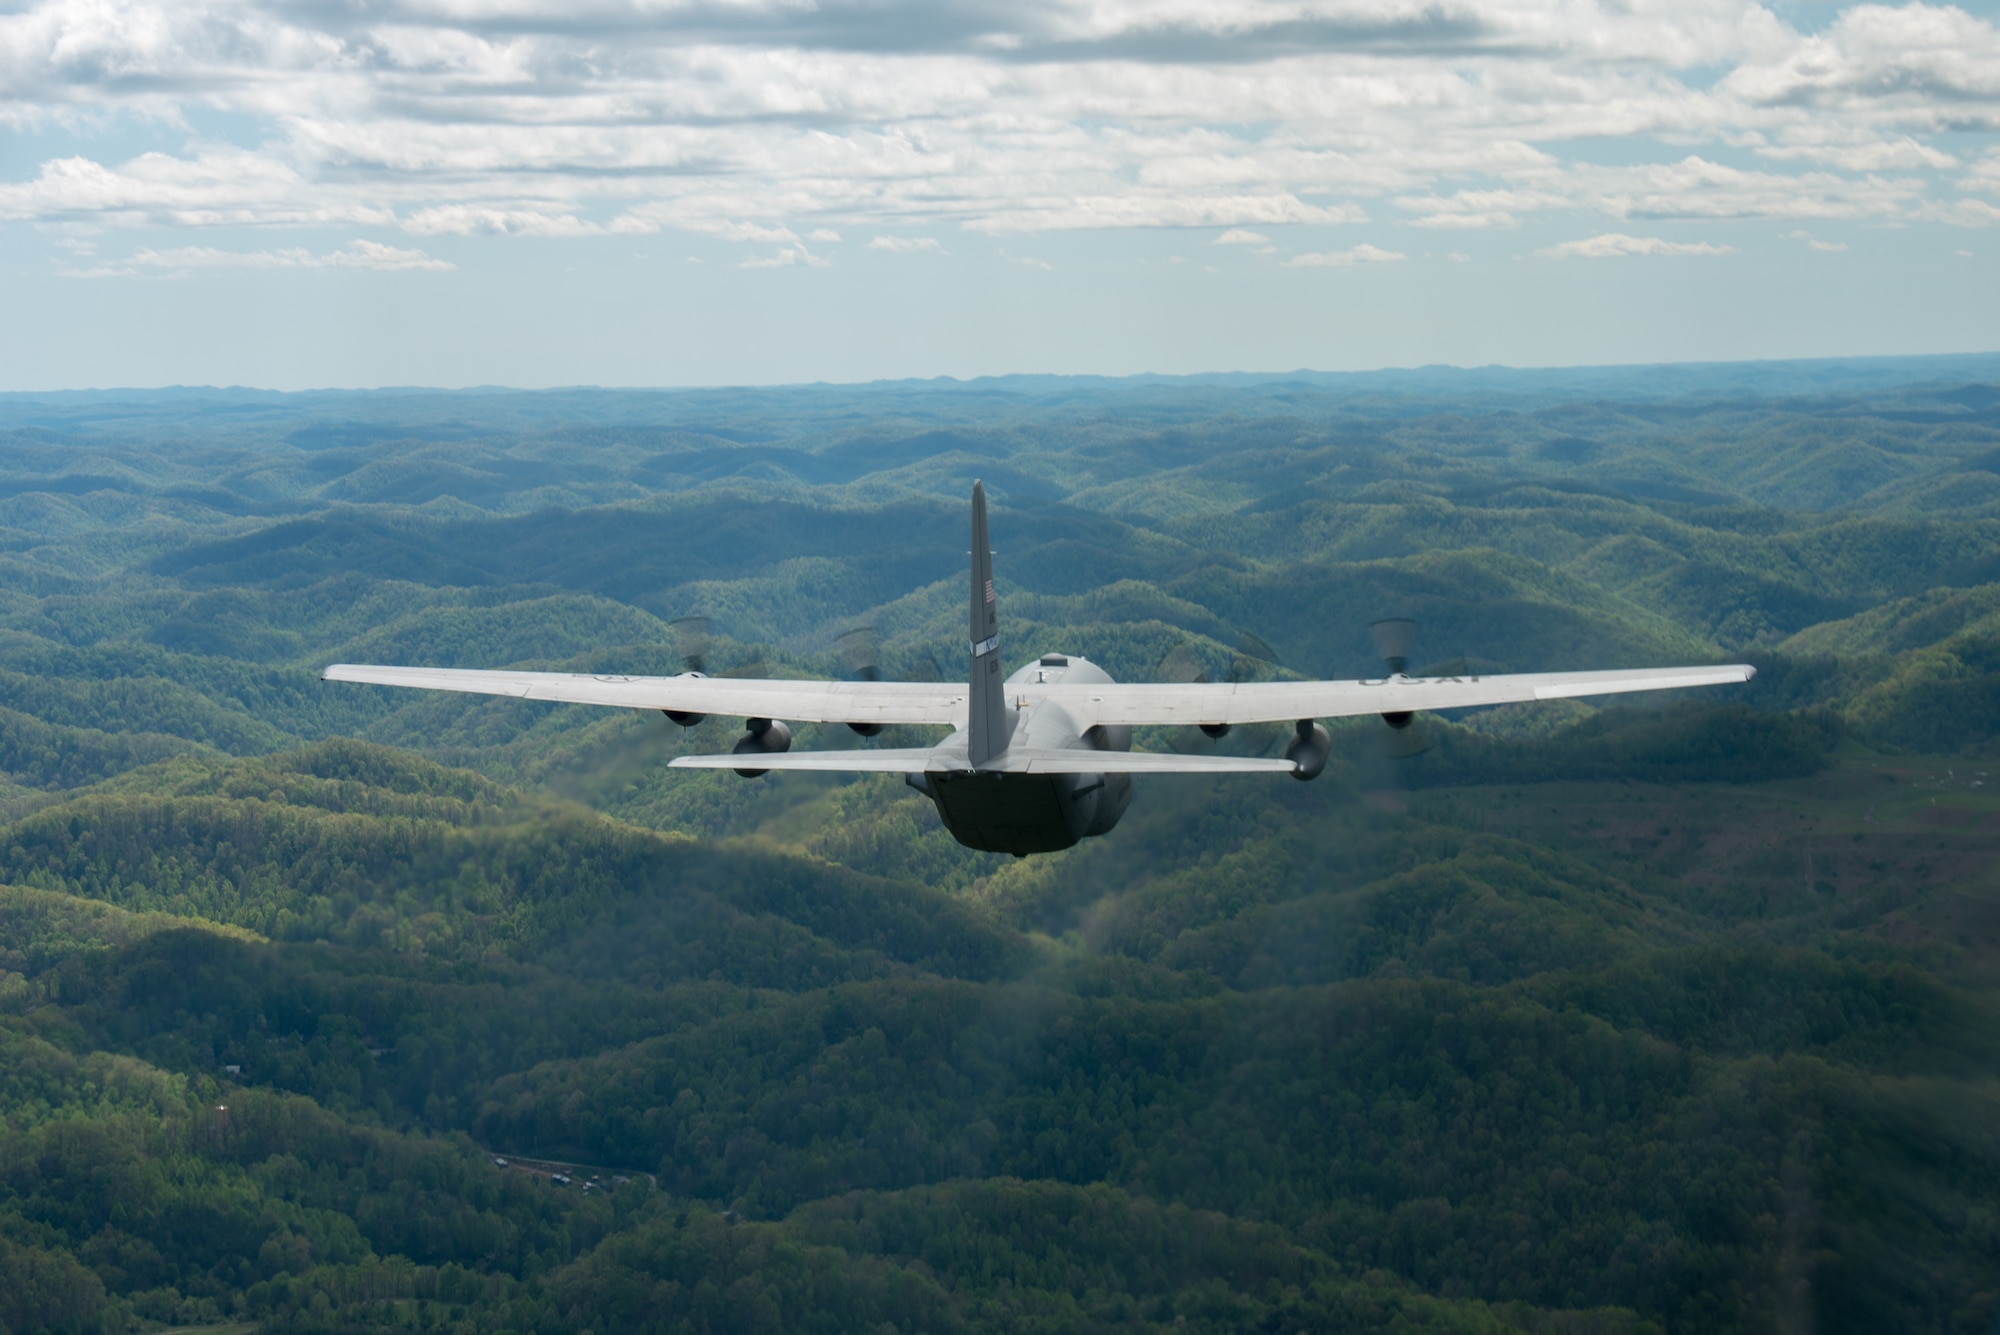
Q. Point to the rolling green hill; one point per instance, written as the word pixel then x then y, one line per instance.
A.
pixel 1675 1016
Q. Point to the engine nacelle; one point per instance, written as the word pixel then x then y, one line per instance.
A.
pixel 681 716
pixel 865 729
pixel 762 736
pixel 1309 748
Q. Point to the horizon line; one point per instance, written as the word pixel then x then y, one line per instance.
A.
pixel 1433 368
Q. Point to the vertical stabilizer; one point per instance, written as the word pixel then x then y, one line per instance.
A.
pixel 988 723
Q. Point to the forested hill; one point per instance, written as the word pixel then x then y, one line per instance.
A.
pixel 1676 1016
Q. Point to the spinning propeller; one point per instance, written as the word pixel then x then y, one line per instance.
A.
pixel 694 636
pixel 860 650
pixel 1182 665
pixel 1393 638
pixel 691 636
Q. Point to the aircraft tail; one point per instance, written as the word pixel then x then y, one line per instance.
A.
pixel 989 726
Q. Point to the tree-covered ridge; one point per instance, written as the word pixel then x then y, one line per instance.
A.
pixel 1674 1016
pixel 1481 1031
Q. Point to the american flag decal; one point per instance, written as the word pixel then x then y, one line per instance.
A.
pixel 989 590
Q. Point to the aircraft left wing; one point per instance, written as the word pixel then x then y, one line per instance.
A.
pixel 797 701
pixel 1215 703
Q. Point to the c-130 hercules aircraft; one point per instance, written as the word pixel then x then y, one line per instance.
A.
pixel 1041 759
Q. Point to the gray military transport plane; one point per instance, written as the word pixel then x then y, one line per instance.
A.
pixel 1040 759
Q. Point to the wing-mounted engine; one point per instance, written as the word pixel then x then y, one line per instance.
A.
pixel 1311 744
pixel 761 737
pixel 861 650
pixel 691 638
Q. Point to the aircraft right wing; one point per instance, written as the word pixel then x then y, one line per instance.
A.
pixel 1215 703
pixel 743 697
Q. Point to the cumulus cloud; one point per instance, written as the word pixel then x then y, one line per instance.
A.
pixel 1614 244
pixel 359 254
pixel 1983 175
pixel 206 188
pixel 784 258
pixel 466 220
pixel 1923 61
pixel 1361 254
pixel 1242 236
pixel 762 121
pixel 905 244
pixel 1901 153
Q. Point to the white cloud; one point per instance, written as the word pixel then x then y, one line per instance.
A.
pixel 1611 245
pixel 1693 187
pixel 1965 213
pixel 1901 153
pixel 761 120
pixel 736 229
pixel 785 258
pixel 1242 236
pixel 214 186
pixel 1921 59
pixel 358 254
pixel 1983 175
pixel 904 245
pixel 465 220
pixel 1361 254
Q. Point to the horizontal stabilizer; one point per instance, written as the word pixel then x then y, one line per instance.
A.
pixel 1014 760
pixel 888 760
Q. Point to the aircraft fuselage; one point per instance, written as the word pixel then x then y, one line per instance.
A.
pixel 1034 813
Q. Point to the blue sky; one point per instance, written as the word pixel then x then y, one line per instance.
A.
pixel 656 192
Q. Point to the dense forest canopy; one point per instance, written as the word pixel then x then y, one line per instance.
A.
pixel 1672 1016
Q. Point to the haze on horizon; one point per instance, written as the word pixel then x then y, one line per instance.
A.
pixel 639 193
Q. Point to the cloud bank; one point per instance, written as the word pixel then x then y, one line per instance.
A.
pixel 763 120
pixel 182 260
pixel 1614 244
